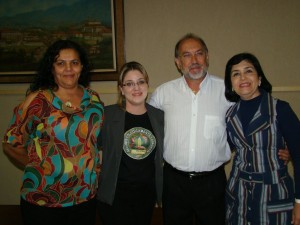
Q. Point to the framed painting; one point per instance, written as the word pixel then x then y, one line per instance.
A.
pixel 27 29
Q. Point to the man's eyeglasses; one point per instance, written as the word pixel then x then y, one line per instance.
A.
pixel 189 55
pixel 131 84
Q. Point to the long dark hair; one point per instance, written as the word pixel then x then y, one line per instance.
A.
pixel 44 78
pixel 236 59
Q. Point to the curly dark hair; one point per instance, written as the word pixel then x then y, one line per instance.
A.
pixel 231 95
pixel 44 78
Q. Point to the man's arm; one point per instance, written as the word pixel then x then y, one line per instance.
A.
pixel 284 155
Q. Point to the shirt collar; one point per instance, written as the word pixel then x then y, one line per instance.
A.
pixel 57 103
pixel 203 85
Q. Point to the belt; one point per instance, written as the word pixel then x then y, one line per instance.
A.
pixel 193 175
pixel 269 177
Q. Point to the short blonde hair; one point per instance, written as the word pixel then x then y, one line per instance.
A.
pixel 124 70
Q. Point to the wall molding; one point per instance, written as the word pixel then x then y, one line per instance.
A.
pixel 22 92
pixel 286 89
pixel 114 91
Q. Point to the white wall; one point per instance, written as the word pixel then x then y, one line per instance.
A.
pixel 267 28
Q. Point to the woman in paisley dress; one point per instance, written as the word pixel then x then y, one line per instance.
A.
pixel 52 136
pixel 260 190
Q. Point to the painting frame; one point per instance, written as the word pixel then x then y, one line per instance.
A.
pixel 110 75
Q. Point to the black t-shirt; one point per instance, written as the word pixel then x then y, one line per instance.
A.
pixel 139 147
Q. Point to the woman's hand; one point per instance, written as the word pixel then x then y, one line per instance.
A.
pixel 296 214
pixel 17 155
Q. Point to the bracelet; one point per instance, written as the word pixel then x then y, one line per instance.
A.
pixel 297 201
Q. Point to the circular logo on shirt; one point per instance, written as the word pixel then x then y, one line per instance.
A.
pixel 138 142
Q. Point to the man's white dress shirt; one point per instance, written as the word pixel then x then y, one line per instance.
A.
pixel 195 129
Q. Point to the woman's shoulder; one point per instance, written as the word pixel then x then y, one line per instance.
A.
pixel 281 103
pixel 283 107
pixel 155 111
pixel 91 91
pixel 94 95
pixel 113 107
pixel 113 112
pixel 34 95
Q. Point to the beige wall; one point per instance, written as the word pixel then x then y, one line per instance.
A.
pixel 267 28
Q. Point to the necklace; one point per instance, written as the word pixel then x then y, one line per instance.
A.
pixel 70 108
pixel 68 104
pixel 70 100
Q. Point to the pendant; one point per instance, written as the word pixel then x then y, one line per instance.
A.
pixel 68 104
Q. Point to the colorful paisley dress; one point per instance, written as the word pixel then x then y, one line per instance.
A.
pixel 62 147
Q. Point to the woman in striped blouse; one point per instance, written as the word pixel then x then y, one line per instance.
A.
pixel 260 191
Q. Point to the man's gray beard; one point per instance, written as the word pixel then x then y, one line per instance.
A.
pixel 196 76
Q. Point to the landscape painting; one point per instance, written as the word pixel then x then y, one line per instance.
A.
pixel 28 27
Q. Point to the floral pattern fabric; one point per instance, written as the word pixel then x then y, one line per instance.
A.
pixel 62 148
